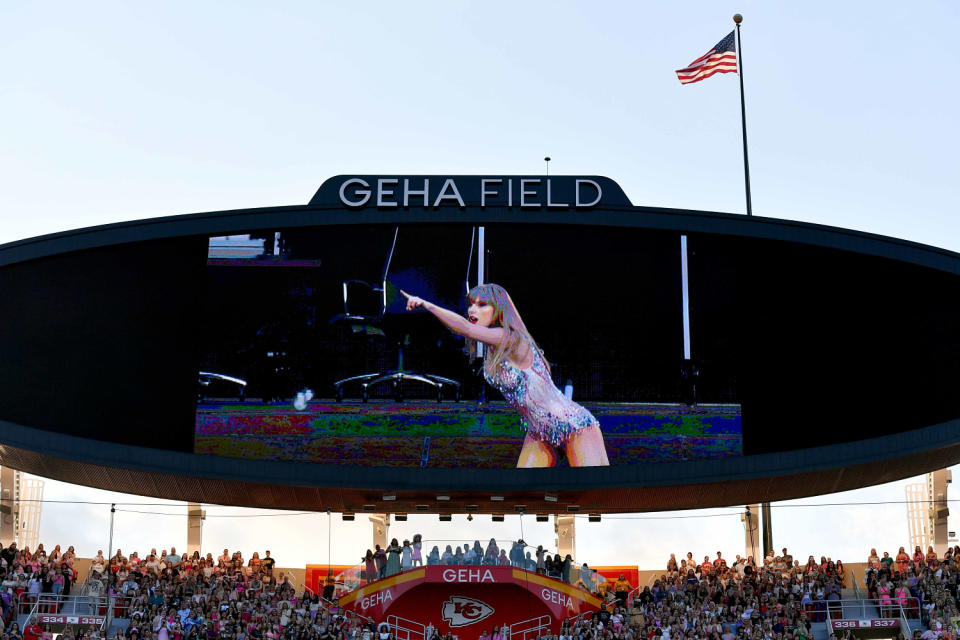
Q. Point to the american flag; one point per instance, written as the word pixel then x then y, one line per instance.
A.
pixel 721 59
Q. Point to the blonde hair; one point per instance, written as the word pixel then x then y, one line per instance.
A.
pixel 505 315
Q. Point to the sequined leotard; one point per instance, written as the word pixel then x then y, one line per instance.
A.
pixel 546 413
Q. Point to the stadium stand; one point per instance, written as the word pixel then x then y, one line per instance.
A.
pixel 171 596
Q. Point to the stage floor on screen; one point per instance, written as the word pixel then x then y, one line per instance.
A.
pixel 465 434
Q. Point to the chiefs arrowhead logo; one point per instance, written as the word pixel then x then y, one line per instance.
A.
pixel 459 611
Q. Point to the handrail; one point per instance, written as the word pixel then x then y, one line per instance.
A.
pixel 904 624
pixel 539 622
pixel 33 611
pixel 328 604
pixel 57 605
pixel 878 603
pixel 580 616
pixel 405 632
pixel 830 617
pixel 856 586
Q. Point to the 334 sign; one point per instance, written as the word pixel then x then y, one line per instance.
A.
pixel 53 619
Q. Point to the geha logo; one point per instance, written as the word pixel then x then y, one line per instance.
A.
pixel 459 611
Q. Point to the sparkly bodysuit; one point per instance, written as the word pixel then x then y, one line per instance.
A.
pixel 547 414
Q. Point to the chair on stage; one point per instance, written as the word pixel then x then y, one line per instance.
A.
pixel 378 309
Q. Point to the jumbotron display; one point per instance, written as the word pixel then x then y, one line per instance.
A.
pixel 373 345
pixel 330 355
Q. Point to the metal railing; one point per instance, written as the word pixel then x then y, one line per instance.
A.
pixel 67 610
pixel 860 612
pixel 405 629
pixel 334 606
pixel 527 629
pixel 580 617
pixel 67 605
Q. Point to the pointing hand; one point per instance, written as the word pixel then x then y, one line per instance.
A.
pixel 413 302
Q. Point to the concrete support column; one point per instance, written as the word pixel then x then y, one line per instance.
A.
pixel 7 497
pixel 381 527
pixel 566 530
pixel 195 518
pixel 939 509
pixel 751 531
pixel 767 531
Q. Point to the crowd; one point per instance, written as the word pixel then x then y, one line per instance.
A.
pixel 27 574
pixel 774 600
pixel 381 563
pixel 171 596
pixel 926 580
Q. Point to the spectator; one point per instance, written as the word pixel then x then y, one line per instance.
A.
pixel 585 580
pixel 370 567
pixel 621 590
pixel 393 558
pixel 173 559
pixel 8 554
pixel 329 585
pixel 516 554
pixel 470 556
pixel 886 564
pixel 32 631
pixel 417 559
pixel 706 567
pixel 566 568
pixel 903 561
pixel 477 552
pixel 380 558
pixel 492 554
pixel 555 570
pixel 433 557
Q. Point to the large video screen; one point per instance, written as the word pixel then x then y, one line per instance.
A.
pixel 374 345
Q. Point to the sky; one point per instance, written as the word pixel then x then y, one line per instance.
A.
pixel 115 111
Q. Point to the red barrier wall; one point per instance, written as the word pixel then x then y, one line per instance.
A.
pixel 468 599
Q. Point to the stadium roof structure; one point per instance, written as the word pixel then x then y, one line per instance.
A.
pixel 66 415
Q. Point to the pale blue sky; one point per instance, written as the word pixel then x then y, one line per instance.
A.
pixel 115 110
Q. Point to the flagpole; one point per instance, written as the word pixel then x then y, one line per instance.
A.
pixel 743 115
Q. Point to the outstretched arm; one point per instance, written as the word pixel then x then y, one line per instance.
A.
pixel 457 323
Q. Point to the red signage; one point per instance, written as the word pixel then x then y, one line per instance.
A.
pixel 469 574
pixel 54 619
pixel 460 612
pixel 476 597
pixel 879 623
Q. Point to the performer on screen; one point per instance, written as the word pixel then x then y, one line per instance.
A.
pixel 514 364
